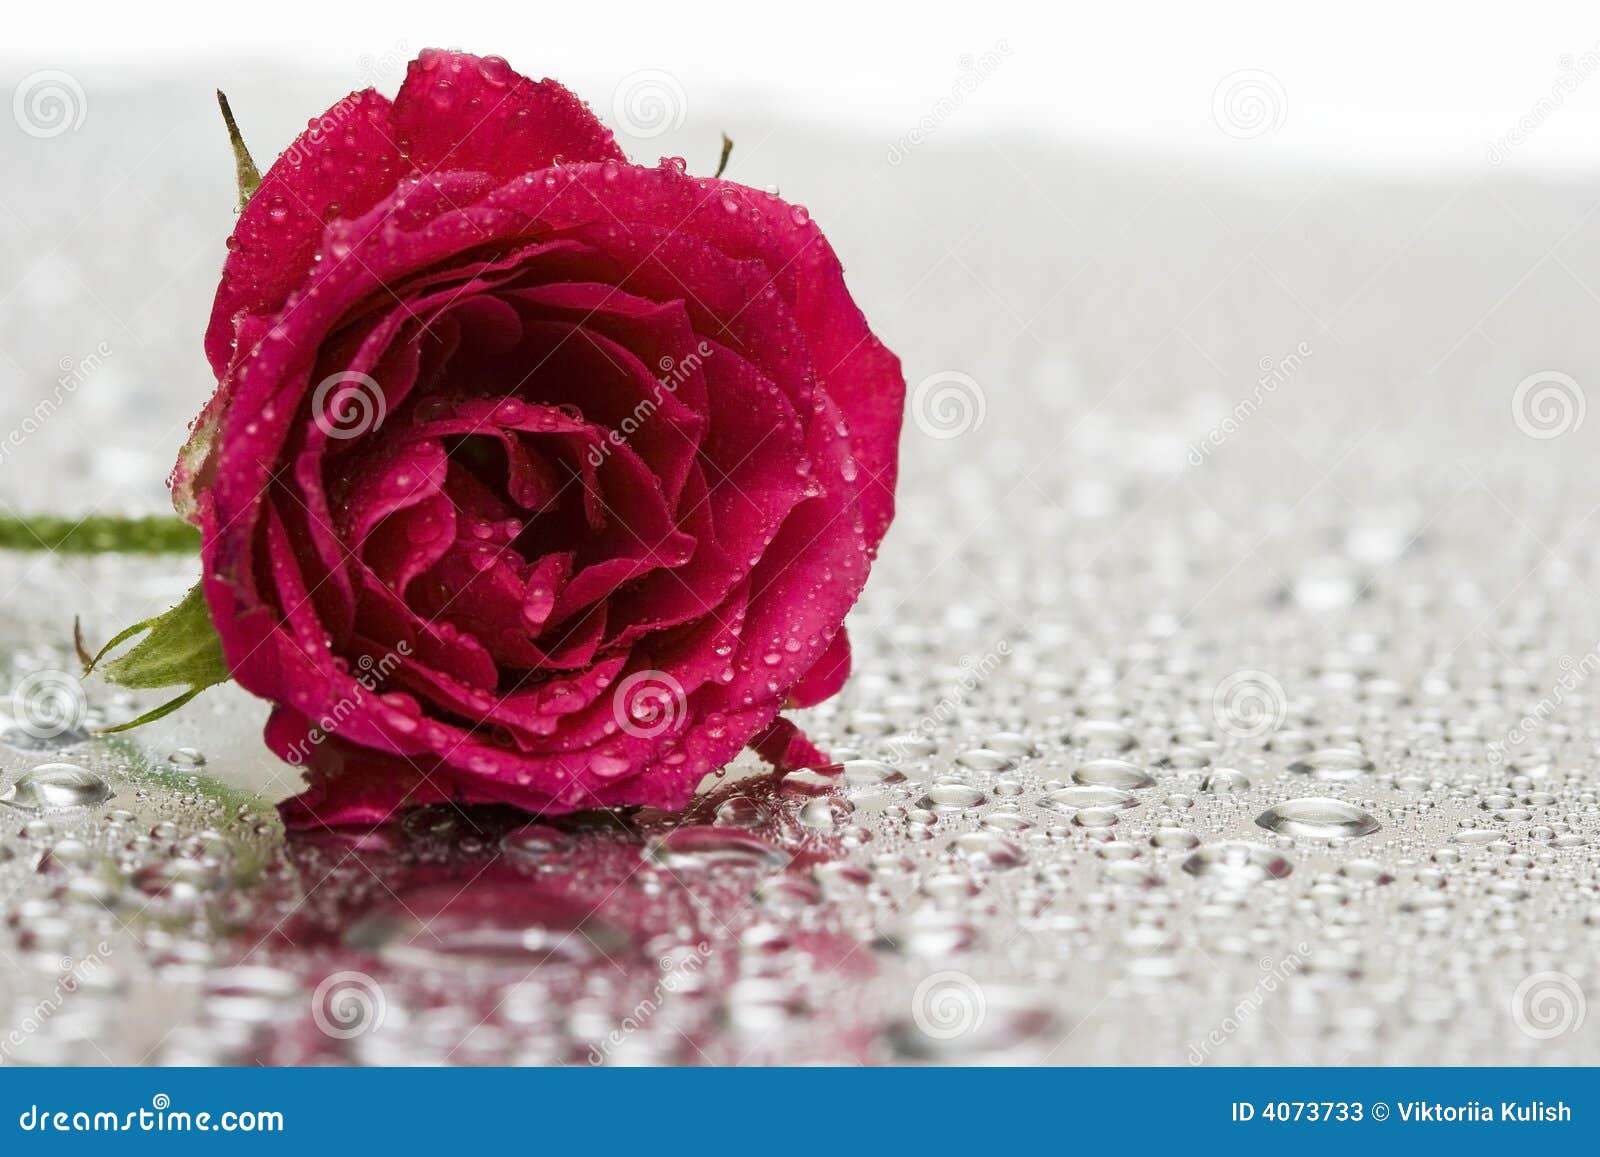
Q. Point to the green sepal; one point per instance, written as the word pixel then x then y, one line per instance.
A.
pixel 244 166
pixel 180 648
pixel 153 714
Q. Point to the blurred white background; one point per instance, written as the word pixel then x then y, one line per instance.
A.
pixel 1366 82
pixel 1111 214
pixel 1114 214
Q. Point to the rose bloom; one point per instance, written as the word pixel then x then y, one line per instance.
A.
pixel 532 476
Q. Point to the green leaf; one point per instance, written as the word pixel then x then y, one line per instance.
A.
pixel 245 171
pixel 180 648
pixel 722 161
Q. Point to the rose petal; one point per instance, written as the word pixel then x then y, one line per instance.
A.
pixel 826 676
pixel 457 111
pixel 341 166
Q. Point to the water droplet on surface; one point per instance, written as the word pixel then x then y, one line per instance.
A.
pixel 804 782
pixel 708 846
pixel 740 812
pixel 1073 799
pixel 989 849
pixel 1317 818
pixel 982 759
pixel 1238 863
pixel 509 930
pixel 1334 764
pixel 1177 839
pixel 1366 872
pixel 56 786
pixel 31 740
pixel 538 843
pixel 1102 735
pixel 819 815
pixel 869 773
pixel 1012 743
pixel 1118 773
pixel 951 797
pixel 1224 781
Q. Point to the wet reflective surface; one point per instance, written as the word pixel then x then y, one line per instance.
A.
pixel 1276 746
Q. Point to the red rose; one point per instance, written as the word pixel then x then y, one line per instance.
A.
pixel 533 476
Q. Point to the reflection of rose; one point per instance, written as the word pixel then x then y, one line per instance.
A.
pixel 493 289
